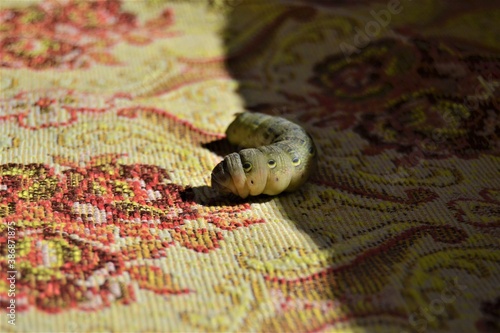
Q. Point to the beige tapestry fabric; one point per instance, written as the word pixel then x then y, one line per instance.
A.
pixel 112 117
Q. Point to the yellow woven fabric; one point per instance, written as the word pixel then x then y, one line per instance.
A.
pixel 112 116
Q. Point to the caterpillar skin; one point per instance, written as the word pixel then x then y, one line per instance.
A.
pixel 279 156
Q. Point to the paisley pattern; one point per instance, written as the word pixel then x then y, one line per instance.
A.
pixel 113 114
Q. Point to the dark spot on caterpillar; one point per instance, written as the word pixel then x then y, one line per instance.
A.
pixel 251 181
pixel 272 131
pixel 277 179
pixel 247 166
pixel 271 163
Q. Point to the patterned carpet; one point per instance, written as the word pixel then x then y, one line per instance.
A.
pixel 112 117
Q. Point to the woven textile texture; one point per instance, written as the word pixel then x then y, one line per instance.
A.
pixel 112 117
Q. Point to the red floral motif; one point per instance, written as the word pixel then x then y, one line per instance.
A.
pixel 354 88
pixel 77 235
pixel 447 108
pixel 382 70
pixel 58 108
pixel 37 110
pixel 483 213
pixel 71 34
pixel 348 86
pixel 433 125
pixel 451 59
pixel 375 71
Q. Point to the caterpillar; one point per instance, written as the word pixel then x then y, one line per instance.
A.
pixel 278 156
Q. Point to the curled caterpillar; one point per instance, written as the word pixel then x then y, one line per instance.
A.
pixel 279 156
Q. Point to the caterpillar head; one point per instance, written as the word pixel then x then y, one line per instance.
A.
pixel 241 173
pixel 222 179
pixel 252 172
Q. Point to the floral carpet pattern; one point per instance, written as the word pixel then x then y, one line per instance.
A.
pixel 112 116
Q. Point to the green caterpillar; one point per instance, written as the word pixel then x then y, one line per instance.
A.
pixel 279 156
